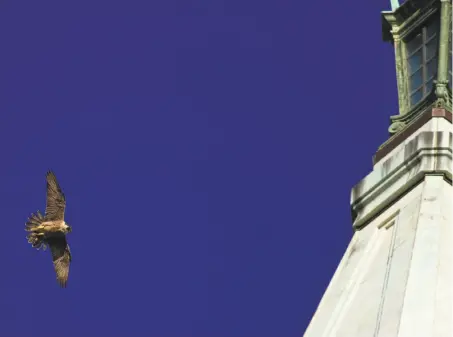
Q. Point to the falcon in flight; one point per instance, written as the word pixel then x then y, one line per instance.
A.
pixel 51 229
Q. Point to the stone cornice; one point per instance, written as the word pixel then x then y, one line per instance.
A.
pixel 397 139
pixel 409 13
pixel 428 153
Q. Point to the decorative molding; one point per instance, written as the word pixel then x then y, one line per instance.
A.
pixel 405 130
pixel 406 17
pixel 397 26
pixel 429 153
pixel 417 19
pixel 389 221
pixel 399 122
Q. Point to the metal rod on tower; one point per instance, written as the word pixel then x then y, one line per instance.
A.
pixel 395 4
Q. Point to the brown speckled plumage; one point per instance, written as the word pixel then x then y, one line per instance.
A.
pixel 50 230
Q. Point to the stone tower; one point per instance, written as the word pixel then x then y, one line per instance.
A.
pixel 396 276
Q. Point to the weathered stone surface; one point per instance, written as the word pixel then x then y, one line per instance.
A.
pixel 396 276
pixel 427 151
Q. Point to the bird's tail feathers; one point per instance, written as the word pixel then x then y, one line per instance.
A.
pixel 34 220
pixel 35 239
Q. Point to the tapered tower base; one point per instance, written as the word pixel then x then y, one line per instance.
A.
pixel 396 277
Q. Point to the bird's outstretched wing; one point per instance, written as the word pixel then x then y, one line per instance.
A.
pixel 61 256
pixel 56 201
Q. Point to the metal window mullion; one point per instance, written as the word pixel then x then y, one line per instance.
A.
pixel 415 51
pixel 421 86
pixel 428 40
pixel 429 60
pixel 424 56
pixel 418 69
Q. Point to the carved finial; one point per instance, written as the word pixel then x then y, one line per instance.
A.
pixel 441 92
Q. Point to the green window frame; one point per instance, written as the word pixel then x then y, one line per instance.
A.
pixel 422 49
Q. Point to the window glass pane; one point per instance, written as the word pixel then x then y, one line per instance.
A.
pixel 433 28
pixel 416 80
pixel 429 86
pixel 413 44
pixel 416 96
pixel 431 48
pixel 415 61
pixel 431 68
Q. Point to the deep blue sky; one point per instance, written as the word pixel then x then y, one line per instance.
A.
pixel 206 149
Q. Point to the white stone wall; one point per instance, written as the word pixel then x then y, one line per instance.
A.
pixel 395 278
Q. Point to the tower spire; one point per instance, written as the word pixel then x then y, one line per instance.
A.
pixel 396 276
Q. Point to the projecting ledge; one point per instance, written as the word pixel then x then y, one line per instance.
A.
pixel 428 153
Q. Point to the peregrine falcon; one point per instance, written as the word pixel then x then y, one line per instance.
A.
pixel 51 229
